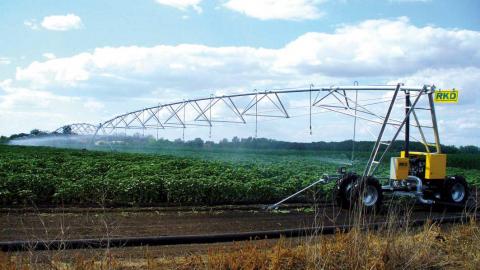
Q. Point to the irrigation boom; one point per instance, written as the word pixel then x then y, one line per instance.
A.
pixel 196 112
pixel 421 175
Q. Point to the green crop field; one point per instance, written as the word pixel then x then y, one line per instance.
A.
pixel 52 176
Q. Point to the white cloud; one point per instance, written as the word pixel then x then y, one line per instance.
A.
pixel 93 105
pixel 169 64
pixel 277 9
pixel 5 61
pixel 182 4
pixel 459 123
pixel 32 24
pixel 64 70
pixel 24 109
pixel 382 47
pixel 62 22
pixel 24 98
pixel 374 51
pixel 465 79
pixel 49 56
pixel 374 48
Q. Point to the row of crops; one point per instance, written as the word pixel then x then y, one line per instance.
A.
pixel 49 176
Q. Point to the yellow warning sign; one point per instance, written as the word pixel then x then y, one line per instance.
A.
pixel 446 96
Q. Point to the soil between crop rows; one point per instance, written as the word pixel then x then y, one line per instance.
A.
pixel 89 223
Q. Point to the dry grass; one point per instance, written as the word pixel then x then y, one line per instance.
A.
pixel 429 247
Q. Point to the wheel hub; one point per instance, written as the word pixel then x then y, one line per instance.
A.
pixel 458 192
pixel 370 196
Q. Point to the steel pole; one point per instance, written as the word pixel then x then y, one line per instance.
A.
pixel 407 122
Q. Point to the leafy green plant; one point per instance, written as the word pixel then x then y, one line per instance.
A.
pixel 43 175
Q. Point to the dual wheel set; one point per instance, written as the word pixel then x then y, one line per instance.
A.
pixel 350 192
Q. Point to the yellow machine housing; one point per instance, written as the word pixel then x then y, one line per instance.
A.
pixel 399 167
pixel 435 164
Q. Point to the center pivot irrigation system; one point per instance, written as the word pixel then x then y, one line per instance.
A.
pixel 421 175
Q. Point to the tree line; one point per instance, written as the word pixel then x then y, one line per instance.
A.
pixel 264 143
pixel 258 143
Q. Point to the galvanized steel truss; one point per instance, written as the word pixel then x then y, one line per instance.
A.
pixel 76 129
pixel 248 107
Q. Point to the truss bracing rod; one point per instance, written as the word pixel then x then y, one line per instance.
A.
pixel 397 132
pixel 434 121
pixel 380 135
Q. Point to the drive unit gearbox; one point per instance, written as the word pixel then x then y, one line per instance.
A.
pixel 428 166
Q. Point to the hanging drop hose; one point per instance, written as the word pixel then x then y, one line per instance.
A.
pixel 354 128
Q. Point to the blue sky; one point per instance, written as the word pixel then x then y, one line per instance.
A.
pixel 86 61
pixel 146 23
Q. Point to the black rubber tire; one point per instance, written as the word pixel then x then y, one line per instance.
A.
pixel 343 194
pixel 371 181
pixel 450 181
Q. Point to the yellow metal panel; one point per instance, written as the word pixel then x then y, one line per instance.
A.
pixel 413 153
pixel 446 96
pixel 399 168
pixel 436 166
